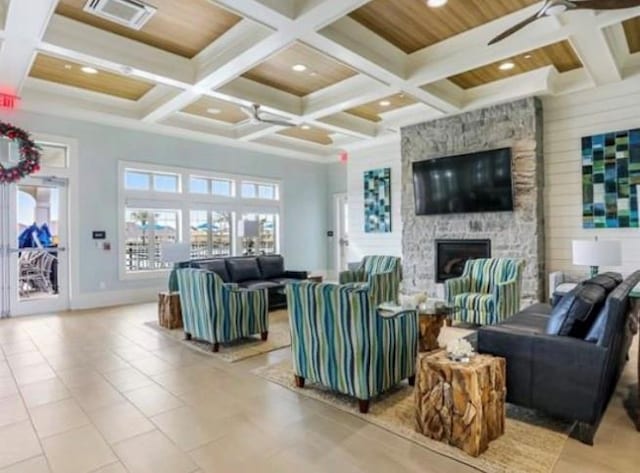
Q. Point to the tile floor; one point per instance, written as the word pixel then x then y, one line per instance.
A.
pixel 97 391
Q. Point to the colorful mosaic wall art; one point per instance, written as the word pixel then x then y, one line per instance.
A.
pixel 610 176
pixel 377 201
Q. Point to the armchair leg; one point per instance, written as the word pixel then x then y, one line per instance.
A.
pixel 363 404
pixel 187 336
pixel 215 348
pixel 584 433
pixel 264 336
pixel 299 381
pixel 412 380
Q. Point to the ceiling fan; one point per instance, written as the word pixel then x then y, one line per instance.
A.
pixel 557 7
pixel 255 115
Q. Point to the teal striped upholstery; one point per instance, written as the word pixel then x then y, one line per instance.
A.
pixel 339 340
pixel 488 291
pixel 385 291
pixel 217 312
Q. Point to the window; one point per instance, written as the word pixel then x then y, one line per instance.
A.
pixel 216 215
pixel 135 180
pixel 145 231
pixel 256 190
pixel 53 155
pixel 198 185
pixel 165 182
pixel 259 234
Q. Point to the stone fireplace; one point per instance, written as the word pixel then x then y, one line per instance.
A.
pixel 451 255
pixel 517 234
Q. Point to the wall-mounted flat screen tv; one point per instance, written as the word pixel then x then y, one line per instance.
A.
pixel 475 182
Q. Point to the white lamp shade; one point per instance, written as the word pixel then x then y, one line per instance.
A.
pixel 597 253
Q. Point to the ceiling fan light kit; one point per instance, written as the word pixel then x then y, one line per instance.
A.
pixel 558 7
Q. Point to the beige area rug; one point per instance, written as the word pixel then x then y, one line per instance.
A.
pixel 279 337
pixel 531 443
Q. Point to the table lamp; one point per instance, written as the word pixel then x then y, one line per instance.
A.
pixel 595 253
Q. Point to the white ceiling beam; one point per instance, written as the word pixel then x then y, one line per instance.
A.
pixel 86 44
pixel 289 31
pixel 257 131
pixel 351 125
pixel 469 50
pixel 25 24
pixel 249 92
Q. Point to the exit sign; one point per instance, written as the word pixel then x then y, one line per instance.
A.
pixel 8 101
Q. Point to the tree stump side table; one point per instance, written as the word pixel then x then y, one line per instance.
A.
pixel 169 311
pixel 429 325
pixel 462 404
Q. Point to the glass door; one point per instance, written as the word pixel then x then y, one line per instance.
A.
pixel 34 256
pixel 342 231
pixel 258 234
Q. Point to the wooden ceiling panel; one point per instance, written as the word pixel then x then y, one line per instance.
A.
pixel 216 109
pixel 182 27
pixel 561 55
pixel 69 73
pixel 313 134
pixel 632 32
pixel 321 71
pixel 411 25
pixel 371 111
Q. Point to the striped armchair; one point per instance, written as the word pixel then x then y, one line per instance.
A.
pixel 386 290
pixel 339 340
pixel 488 291
pixel 217 312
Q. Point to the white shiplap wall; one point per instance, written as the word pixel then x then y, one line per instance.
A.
pixel 361 243
pixel 566 120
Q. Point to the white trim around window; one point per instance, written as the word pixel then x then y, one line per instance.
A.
pixel 183 202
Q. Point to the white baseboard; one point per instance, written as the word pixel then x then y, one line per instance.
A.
pixel 93 300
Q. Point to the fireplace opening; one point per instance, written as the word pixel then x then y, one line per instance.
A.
pixel 451 255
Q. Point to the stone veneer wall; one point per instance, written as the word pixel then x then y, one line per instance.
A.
pixel 517 234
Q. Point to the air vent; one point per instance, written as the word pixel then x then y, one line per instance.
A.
pixel 131 13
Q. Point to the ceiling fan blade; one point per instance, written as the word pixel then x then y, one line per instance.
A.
pixel 516 28
pixel 604 4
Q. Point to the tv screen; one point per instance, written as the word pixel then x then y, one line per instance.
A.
pixel 477 182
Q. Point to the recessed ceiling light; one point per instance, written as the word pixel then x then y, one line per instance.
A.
pixel 305 127
pixel 67 66
pixel 384 103
pixel 527 56
pixel 299 68
pixel 436 3
pixel 507 66
pixel 213 111
pixel 89 70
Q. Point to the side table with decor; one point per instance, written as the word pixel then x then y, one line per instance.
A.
pixel 430 322
pixel 169 311
pixel 461 403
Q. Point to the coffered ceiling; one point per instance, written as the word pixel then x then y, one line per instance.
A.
pixel 345 73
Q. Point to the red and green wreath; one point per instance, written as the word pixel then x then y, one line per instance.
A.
pixel 29 154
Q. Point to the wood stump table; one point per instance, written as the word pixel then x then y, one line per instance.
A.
pixel 462 404
pixel 429 324
pixel 169 311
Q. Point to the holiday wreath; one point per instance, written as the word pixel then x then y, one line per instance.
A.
pixel 29 154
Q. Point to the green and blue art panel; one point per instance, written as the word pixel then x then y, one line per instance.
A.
pixel 610 176
pixel 377 201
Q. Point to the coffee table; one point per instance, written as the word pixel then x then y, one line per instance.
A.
pixel 462 404
pixel 430 323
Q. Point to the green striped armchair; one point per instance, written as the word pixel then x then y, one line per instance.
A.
pixel 488 291
pixel 339 340
pixel 216 312
pixel 387 290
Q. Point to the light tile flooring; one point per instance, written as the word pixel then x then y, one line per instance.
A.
pixel 97 391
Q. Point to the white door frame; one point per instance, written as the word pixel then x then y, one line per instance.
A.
pixel 71 209
pixel 341 251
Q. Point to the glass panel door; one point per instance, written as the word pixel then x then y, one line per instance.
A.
pixel 36 246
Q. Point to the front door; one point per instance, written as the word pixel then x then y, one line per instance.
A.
pixel 35 252
pixel 342 231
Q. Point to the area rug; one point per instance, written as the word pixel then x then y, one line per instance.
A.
pixel 531 443
pixel 279 337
